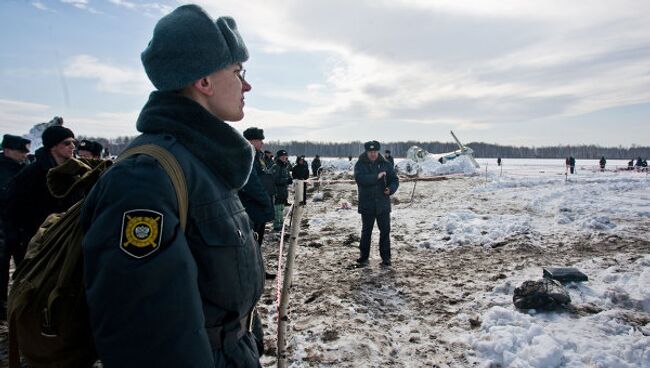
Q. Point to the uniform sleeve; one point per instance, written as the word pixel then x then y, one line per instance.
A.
pixel 392 179
pixel 256 191
pixel 364 178
pixel 140 276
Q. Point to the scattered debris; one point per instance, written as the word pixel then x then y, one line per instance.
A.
pixel 544 294
pixel 564 274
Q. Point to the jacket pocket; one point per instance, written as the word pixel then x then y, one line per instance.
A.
pixel 222 223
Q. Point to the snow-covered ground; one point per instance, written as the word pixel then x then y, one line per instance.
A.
pixel 460 247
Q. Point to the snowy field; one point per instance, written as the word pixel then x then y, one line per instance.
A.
pixel 460 247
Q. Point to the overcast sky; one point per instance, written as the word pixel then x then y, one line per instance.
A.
pixel 537 73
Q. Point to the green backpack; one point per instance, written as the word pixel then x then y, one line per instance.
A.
pixel 47 311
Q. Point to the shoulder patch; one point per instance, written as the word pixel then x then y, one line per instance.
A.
pixel 141 232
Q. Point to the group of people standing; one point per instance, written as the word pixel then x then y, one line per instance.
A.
pixel 24 196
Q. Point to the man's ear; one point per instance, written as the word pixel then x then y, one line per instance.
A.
pixel 204 85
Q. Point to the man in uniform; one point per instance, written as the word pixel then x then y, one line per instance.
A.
pixel 90 149
pixel 376 182
pixel 12 160
pixel 257 194
pixel 159 296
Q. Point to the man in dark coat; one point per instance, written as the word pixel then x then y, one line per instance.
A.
pixel 268 159
pixel 29 199
pixel 301 170
pixel 602 163
pixel 389 158
pixel 256 195
pixel 376 182
pixel 315 166
pixel 12 160
pixel 282 178
pixel 158 295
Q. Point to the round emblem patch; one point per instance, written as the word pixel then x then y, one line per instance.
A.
pixel 141 232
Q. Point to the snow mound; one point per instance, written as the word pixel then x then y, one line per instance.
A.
pixel 512 339
pixel 465 227
pixel 338 165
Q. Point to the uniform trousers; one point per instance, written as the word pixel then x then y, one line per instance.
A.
pixel 367 224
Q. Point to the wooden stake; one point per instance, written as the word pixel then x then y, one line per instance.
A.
pixel 296 217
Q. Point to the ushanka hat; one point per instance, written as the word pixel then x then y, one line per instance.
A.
pixel 188 45
pixel 372 146
pixel 281 153
pixel 254 133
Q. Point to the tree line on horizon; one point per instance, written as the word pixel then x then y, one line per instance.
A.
pixel 399 149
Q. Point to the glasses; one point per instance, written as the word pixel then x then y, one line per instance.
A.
pixel 242 74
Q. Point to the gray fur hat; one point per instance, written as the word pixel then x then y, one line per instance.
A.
pixel 187 45
pixel 254 133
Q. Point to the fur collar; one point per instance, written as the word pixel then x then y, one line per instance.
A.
pixel 218 145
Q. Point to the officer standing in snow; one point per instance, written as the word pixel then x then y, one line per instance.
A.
pixel 159 296
pixel 376 182
pixel 257 194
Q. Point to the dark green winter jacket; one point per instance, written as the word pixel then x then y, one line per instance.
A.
pixel 372 199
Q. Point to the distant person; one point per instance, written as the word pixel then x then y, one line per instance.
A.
pixel 349 158
pixel 268 159
pixel 630 164
pixel 499 161
pixel 90 149
pixel 639 163
pixel 301 170
pixel 644 165
pixel 282 178
pixel 376 182
pixel 572 164
pixel 389 158
pixel 12 160
pixel 602 163
pixel 315 166
pixel 159 295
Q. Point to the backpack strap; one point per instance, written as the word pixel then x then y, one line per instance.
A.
pixel 173 169
pixel 14 352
